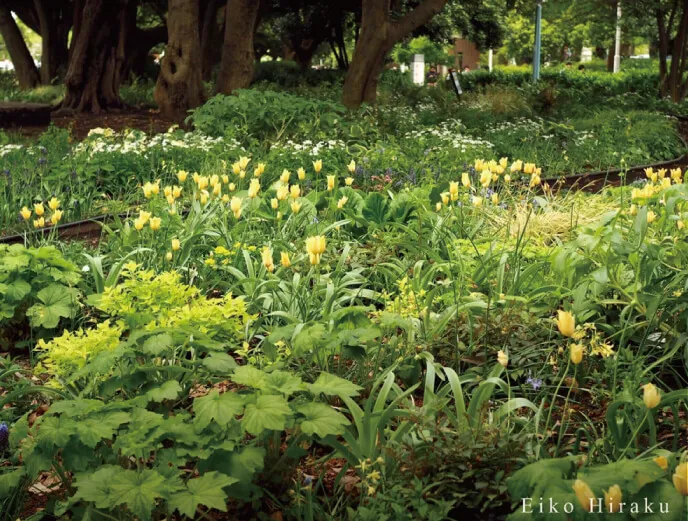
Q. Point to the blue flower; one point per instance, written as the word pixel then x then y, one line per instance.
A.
pixel 4 436
pixel 535 383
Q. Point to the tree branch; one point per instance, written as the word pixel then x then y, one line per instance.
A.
pixel 415 18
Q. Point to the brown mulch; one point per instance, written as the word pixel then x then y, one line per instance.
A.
pixel 148 120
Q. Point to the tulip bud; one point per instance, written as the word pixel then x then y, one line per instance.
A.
pixel 502 358
pixel 576 351
pixel 680 478
pixel 585 496
pixel 651 396
pixel 612 498
pixel 566 323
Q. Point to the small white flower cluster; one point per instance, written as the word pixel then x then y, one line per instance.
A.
pixel 449 134
pixel 6 149
pixel 309 147
pixel 517 125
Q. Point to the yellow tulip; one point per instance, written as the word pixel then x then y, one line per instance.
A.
pixel 25 213
pixel 155 223
pixel 331 182
pixel 528 168
pixel 680 478
pixel 485 178
pixel 438 206
pixel 477 201
pixel 576 352
pixel 342 202
pixel 352 166
pixel 507 178
pixel 267 259
pixel 284 259
pixel 225 198
pixel 235 206
pixel 225 178
pixel 214 179
pixel 502 358
pixel 349 181
pixel 53 204
pixel 295 191
pixel 138 224
pixel 38 208
pixel 182 175
pixel 662 462
pixel 680 225
pixel 285 176
pixel 454 190
pixel 585 496
pixel 317 165
pixel 612 498
pixel 445 197
pixel 465 180
pixel 253 188
pixel 168 256
pixel 479 165
pixel 231 187
pixel 661 173
pixel 236 168
pixel 258 171
pixel 651 396
pixel 202 182
pixel 535 180
pixel 651 216
pixel 243 162
pixel 204 196
pixel 503 162
pixel 566 323
pixel 301 173
pixel 516 166
pixel 282 193
pixel 177 192
pixel 39 223
pixel 176 244
pixel 495 198
pixel 315 246
pixel 649 172
pixel 144 216
pixel 56 217
pixel 295 206
pixel 274 203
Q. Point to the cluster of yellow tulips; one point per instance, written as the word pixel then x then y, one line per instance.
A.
pixel 613 496
pixel 39 210
pixel 658 180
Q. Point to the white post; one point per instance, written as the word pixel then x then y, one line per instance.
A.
pixel 418 69
pixel 489 60
pixel 617 46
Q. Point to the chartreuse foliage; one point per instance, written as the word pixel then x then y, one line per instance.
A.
pixel 641 481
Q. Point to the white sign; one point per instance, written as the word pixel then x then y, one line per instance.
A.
pixel 586 54
pixel 418 69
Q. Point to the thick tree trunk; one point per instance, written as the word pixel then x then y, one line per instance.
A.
pixel 210 37
pixel 97 57
pixel 671 76
pixel 180 85
pixel 378 34
pixel 238 57
pixel 24 66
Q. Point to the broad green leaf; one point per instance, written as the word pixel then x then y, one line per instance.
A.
pixel 138 490
pixel 250 376
pixel 155 345
pixel 220 363
pixel 205 490
pixel 222 408
pixel 92 430
pixel 284 382
pixel 321 419
pixel 332 385
pixel 17 290
pixel 56 302
pixel 55 431
pixel 167 391
pixel 269 412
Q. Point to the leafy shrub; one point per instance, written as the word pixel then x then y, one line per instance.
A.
pixel 287 74
pixel 38 289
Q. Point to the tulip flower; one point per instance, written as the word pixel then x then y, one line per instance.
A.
pixel 516 166
pixel 258 171
pixel 317 165
pixel 465 180
pixel 53 204
pixel 680 225
pixel 495 198
pixel 485 178
pixel 225 178
pixel 282 193
pixel 204 196
pixel 342 202
pixel 584 494
pixel 168 256
pixel 477 201
pixel 155 223
pixel 182 175
pixel 566 323
pixel 454 190
pixel 349 181
pixel 651 396
pixel 253 188
pixel 331 182
pixel 445 197
pixel 651 216
pixel 438 206
pixel 225 198
pixel 680 478
pixel 295 191
pixel 503 162
pixel 507 178
pixel 138 224
pixel 284 259
pixel 535 180
pixel 177 192
pixel 285 176
pixel 231 187
pixel 56 217
pixel 235 206
pixel 662 462
pixel 39 223
pixel 243 162
pixel 176 244
pixel 612 498
pixel 576 353
pixel 479 165
pixel 25 213
pixel 352 166
pixel 502 358
pixel 38 208
pixel 315 246
pixel 274 203
pixel 295 206
pixel 236 168
pixel 267 259
pixel 301 173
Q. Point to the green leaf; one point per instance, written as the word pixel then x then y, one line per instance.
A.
pixel 138 489
pixel 269 412
pixel 321 419
pixel 284 382
pixel 56 302
pixel 55 431
pixel 309 338
pixel 331 385
pixel 222 408
pixel 220 363
pixel 250 376
pixel 17 290
pixel 92 430
pixel 167 391
pixel 10 480
pixel 376 208
pixel 205 490
pixel 155 345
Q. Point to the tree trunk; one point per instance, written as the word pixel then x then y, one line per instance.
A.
pixel 55 20
pixel 95 68
pixel 671 76
pixel 24 66
pixel 378 34
pixel 180 85
pixel 238 57
pixel 210 36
